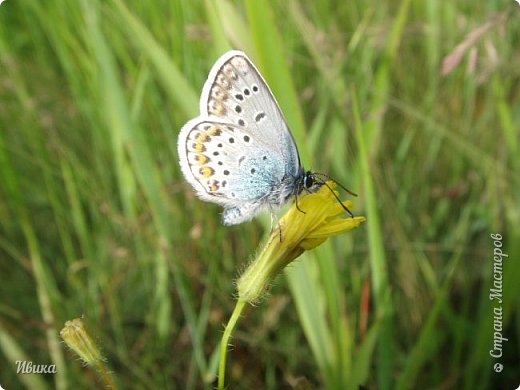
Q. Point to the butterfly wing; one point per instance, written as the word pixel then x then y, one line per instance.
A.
pixel 239 151
pixel 236 92
pixel 223 163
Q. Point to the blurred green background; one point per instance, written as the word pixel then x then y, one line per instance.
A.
pixel 414 105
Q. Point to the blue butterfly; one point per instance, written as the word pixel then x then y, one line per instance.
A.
pixel 239 152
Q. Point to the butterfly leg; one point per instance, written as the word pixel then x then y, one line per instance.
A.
pixel 296 203
pixel 274 219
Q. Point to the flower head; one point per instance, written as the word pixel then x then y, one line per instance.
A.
pixel 306 225
pixel 78 339
pixel 76 336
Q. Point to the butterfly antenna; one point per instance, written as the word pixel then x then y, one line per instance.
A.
pixel 337 197
pixel 339 184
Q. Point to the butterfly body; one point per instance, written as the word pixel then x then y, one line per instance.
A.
pixel 239 152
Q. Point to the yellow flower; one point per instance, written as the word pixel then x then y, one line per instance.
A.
pixel 301 231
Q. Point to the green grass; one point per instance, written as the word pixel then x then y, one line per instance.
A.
pixel 96 219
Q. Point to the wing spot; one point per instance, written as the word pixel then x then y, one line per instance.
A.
pixel 202 137
pixel 247 92
pixel 216 108
pixel 218 93
pixel 198 147
pixel 238 109
pixel 219 163
pixel 253 170
pixel 214 186
pixel 241 159
pixel 241 122
pixel 216 153
pixel 226 172
pixel 223 82
pixel 224 182
pixel 239 62
pixel 206 171
pixel 246 138
pixel 259 116
pixel 264 158
pixel 229 71
pixel 220 145
pixel 239 96
pixel 201 159
pixel 255 88
pixel 214 131
pixel 231 140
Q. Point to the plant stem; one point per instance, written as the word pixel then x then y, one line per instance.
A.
pixel 106 376
pixel 224 342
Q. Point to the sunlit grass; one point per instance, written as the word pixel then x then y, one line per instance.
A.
pixel 96 219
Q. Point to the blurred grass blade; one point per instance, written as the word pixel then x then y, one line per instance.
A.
pixel 377 254
pixel 271 58
pixel 13 352
pixel 177 86
pixel 362 370
pixel 426 345
pixel 381 85
pixel 310 306
pixel 232 23
pixel 141 157
pixel 218 28
pixel 126 139
pixel 42 276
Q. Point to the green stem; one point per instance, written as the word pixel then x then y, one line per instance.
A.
pixel 224 342
pixel 106 376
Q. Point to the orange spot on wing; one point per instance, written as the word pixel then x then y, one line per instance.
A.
pixel 198 147
pixel 214 186
pixel 201 159
pixel 202 137
pixel 206 171
pixel 214 131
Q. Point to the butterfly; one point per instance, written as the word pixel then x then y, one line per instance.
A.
pixel 239 152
